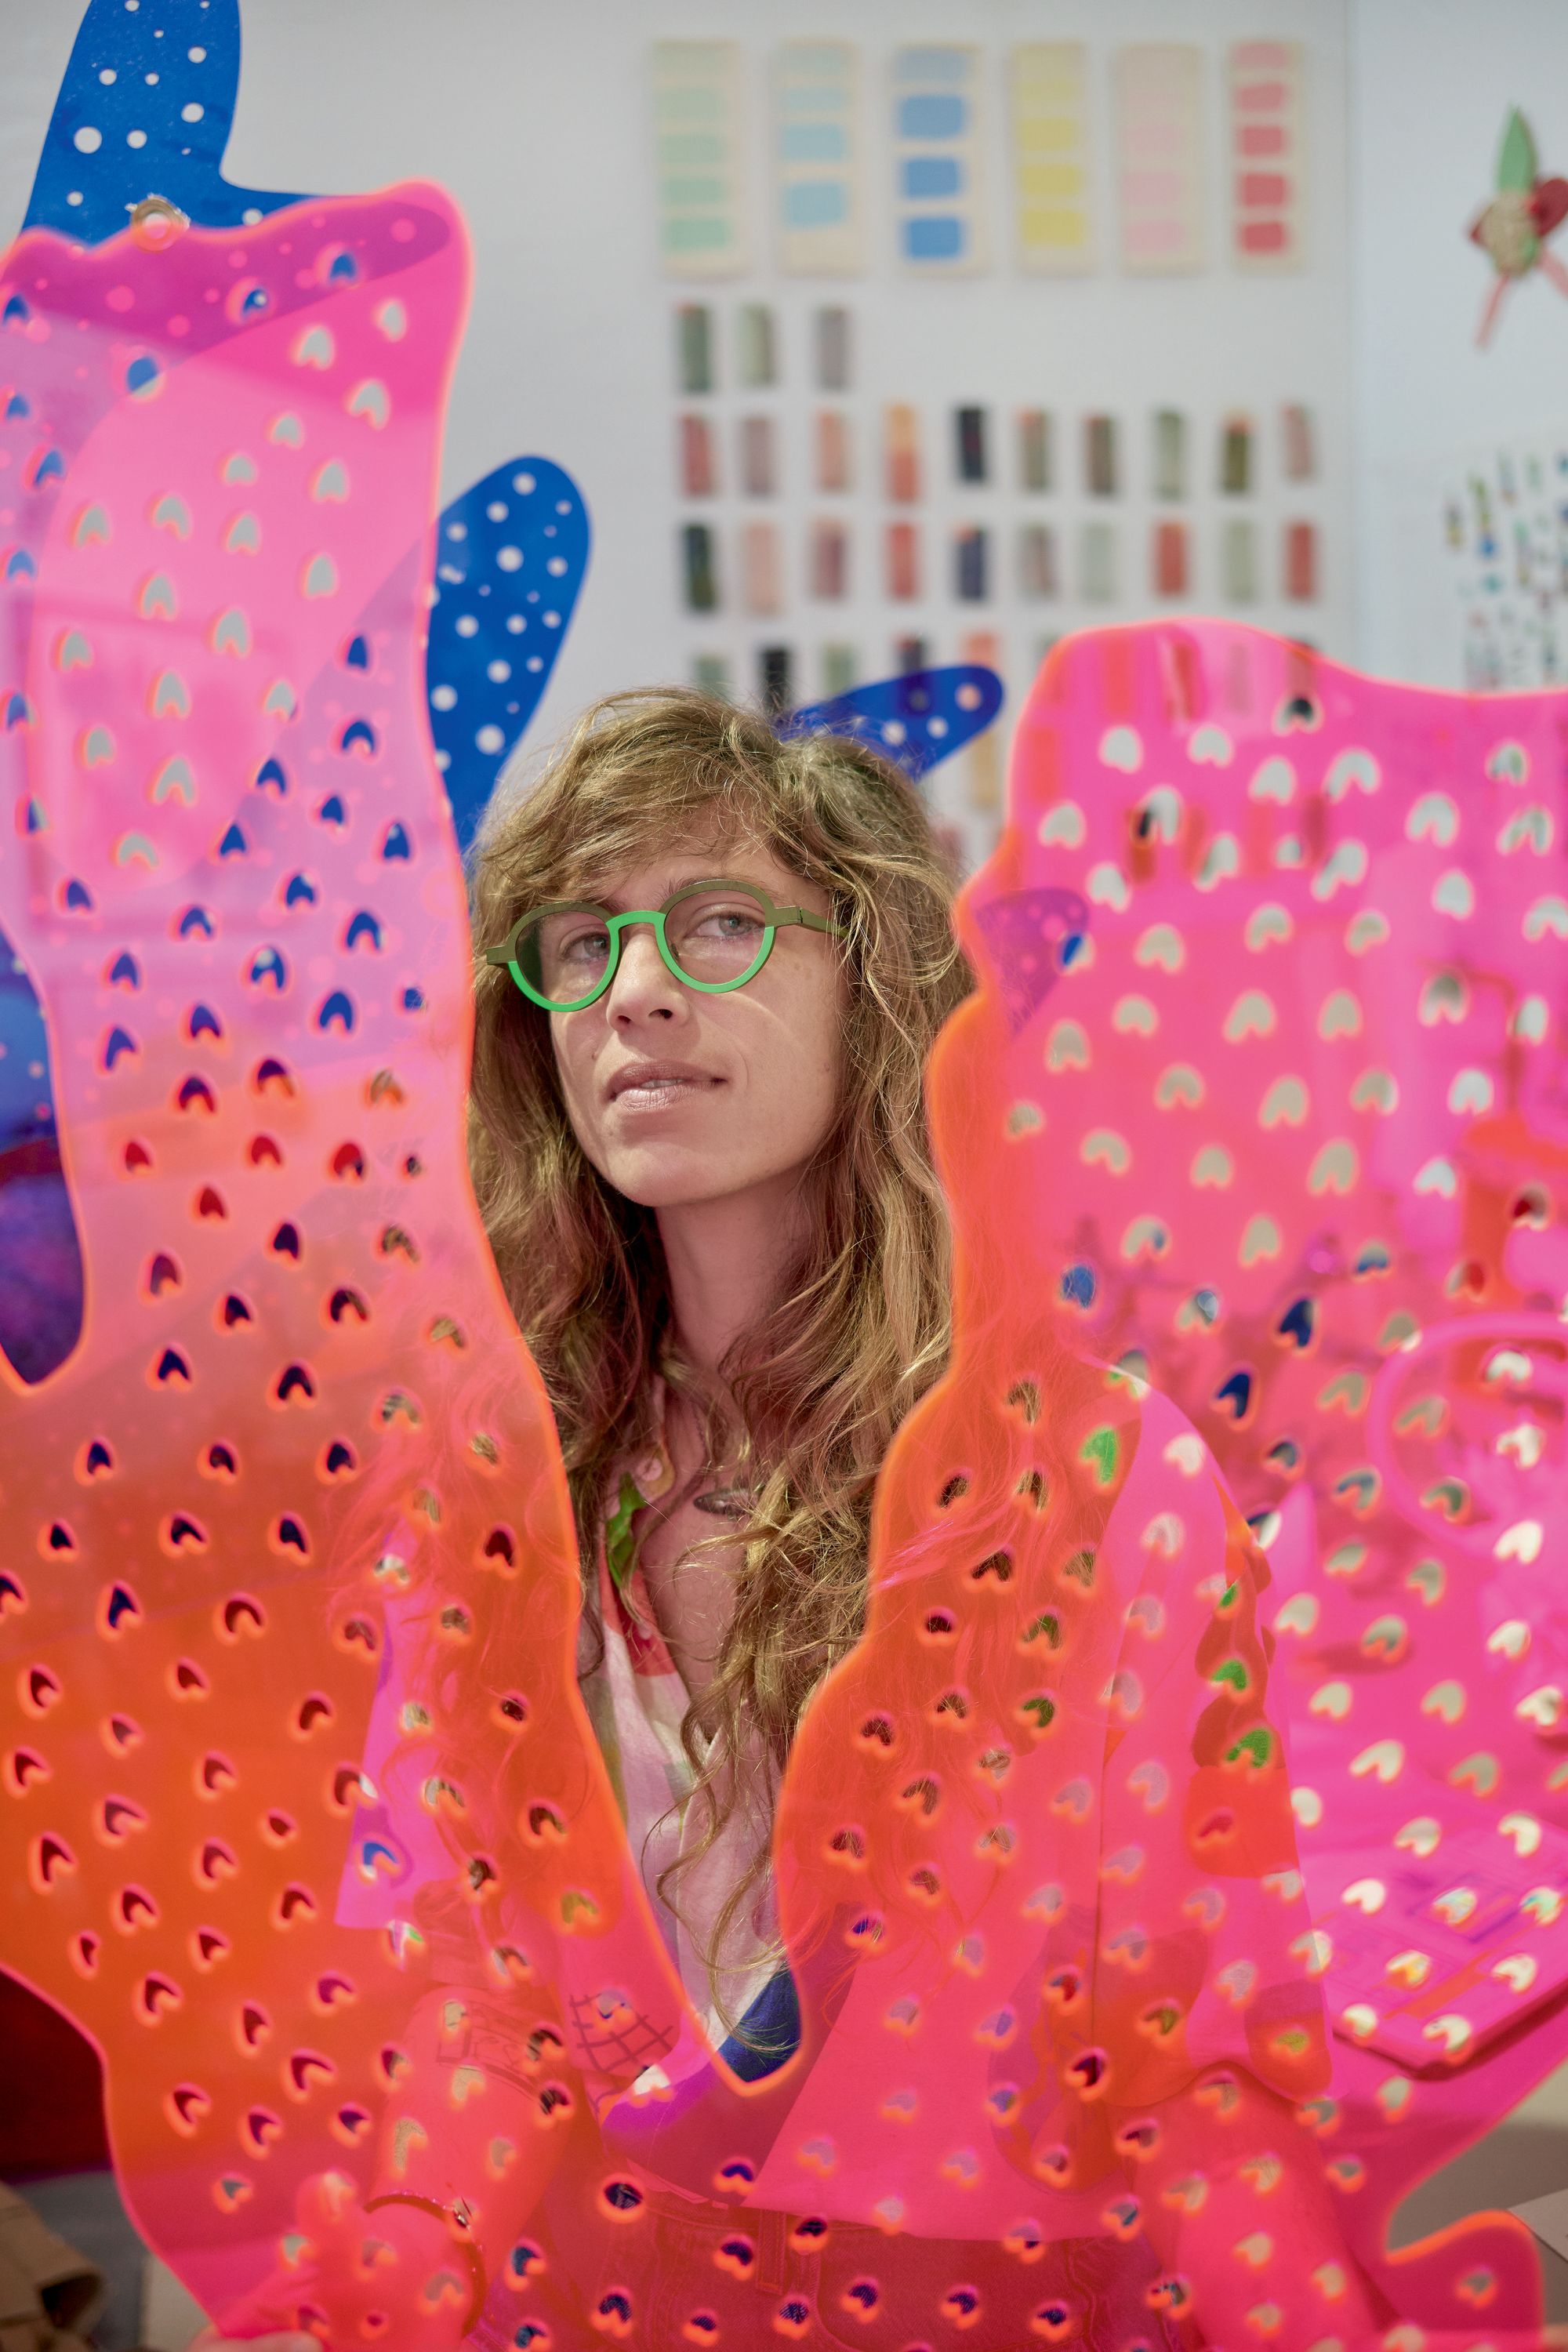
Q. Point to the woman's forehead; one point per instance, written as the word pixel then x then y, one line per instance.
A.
pixel 646 876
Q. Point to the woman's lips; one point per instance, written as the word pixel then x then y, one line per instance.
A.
pixel 658 1087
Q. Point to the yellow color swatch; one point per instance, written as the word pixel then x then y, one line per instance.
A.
pixel 1052 187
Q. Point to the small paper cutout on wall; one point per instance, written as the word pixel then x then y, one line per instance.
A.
pixel 756 346
pixel 694 347
pixel 762 568
pixel 1513 228
pixel 833 348
pixel 1034 449
pixel 902 454
pixel 833 458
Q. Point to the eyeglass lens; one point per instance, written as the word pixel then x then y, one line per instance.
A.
pixel 714 937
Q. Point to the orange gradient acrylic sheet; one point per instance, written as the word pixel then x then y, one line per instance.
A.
pixel 1171 1876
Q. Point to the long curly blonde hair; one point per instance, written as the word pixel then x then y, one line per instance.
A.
pixel 810 1398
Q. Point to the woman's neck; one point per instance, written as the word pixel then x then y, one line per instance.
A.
pixel 727 1261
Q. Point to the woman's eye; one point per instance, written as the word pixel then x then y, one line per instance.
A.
pixel 586 947
pixel 728 922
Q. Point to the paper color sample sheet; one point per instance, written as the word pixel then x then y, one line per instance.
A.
pixel 698 101
pixel 1268 155
pixel 817 132
pixel 1052 164
pixel 1160 160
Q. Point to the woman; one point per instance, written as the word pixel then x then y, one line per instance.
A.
pixel 715 1214
pixel 712 967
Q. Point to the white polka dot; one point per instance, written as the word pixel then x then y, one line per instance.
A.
pixel 108 75
pixel 553 620
pixel 443 761
pixel 535 661
pixel 937 727
pixel 136 138
pixel 442 698
pixel 563 505
pixel 251 215
pixel 197 56
pixel 516 624
pixel 191 113
pixel 74 197
pixel 467 626
pixel 498 672
pixel 88 140
pixel 490 739
pixel 456 530
pixel 523 482
pixel 556 565
pixel 508 559
pixel 132 6
pixel 151 81
pixel 497 511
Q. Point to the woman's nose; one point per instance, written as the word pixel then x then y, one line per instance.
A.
pixel 644 988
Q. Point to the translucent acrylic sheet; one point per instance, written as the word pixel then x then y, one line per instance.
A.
pixel 301 1817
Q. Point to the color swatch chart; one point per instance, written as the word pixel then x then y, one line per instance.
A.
pixel 985 159
pixel 824 538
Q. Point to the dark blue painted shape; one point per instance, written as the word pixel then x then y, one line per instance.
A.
pixel 41 1257
pixel 1031 938
pixel 915 721
pixel 510 554
pixel 163 58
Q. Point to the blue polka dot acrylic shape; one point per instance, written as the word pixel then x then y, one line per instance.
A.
pixel 915 721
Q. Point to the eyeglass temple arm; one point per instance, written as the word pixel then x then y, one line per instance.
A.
pixel 803 915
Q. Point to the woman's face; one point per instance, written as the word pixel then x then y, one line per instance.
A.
pixel 679 1098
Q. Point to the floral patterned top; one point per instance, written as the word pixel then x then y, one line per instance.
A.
pixel 636 1699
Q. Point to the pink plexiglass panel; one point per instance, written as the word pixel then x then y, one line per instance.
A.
pixel 1173 1875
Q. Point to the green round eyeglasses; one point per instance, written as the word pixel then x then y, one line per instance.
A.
pixel 713 935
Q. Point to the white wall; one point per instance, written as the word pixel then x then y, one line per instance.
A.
pixel 515 109
pixel 1431 84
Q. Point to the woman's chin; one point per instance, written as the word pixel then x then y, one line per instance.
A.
pixel 664 1175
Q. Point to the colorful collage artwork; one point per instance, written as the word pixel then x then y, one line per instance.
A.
pixel 1503 520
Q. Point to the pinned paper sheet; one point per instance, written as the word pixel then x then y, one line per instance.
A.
pixel 937 151
pixel 1052 176
pixel 1267 155
pixel 816 135
pixel 1159 147
pixel 697 107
